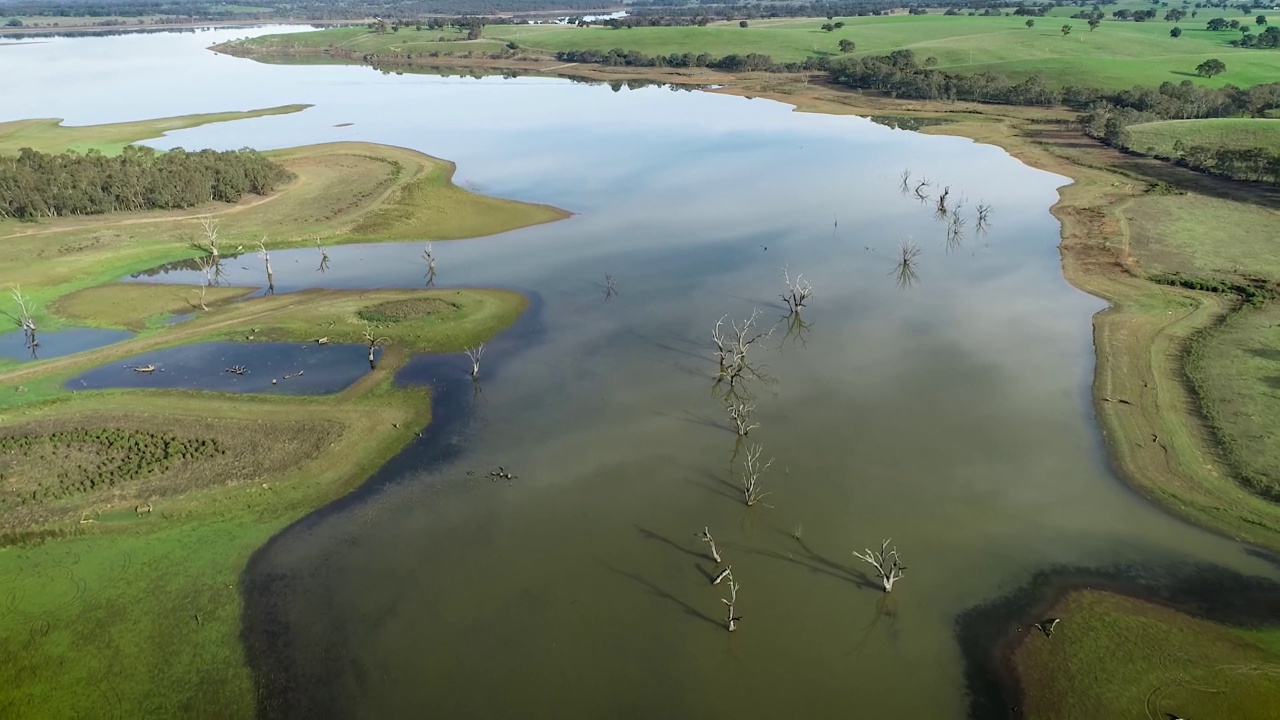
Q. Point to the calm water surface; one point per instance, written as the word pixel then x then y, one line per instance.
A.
pixel 279 368
pixel 953 416
pixel 56 343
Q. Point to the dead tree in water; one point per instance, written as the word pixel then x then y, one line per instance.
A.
pixel 731 620
pixel 941 211
pixel 888 567
pixel 731 349
pixel 706 538
pixel 474 354
pixel 25 318
pixel 266 259
pixel 905 181
pixel 740 413
pixel 324 257
pixel 905 270
pixel 984 217
pixel 610 288
pixel 374 341
pixel 752 488
pixel 798 291
pixel 955 231
pixel 921 195
pixel 430 259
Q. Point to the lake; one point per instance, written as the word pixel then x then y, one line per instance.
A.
pixel 952 414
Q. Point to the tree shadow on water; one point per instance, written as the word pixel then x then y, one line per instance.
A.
pixel 658 592
pixel 807 558
pixel 651 535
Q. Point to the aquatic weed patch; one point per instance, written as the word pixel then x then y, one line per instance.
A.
pixel 56 465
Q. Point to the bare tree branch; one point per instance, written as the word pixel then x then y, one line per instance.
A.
pixel 752 487
pixel 741 412
pixel 324 257
pixel 209 225
pixel 798 291
pixel 475 354
pixel 731 619
pixel 706 538
pixel 888 567
pixel 905 184
pixel 266 259
pixel 373 340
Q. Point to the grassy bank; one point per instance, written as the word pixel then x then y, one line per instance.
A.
pixel 1135 659
pixel 1117 55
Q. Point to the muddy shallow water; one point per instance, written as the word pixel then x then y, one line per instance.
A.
pixel 952 415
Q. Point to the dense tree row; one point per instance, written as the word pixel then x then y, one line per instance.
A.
pixel 35 184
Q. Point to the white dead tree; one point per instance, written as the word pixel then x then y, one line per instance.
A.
pixel 741 413
pixel 25 308
pixel 889 567
pixel 25 318
pixel 798 291
pixel 324 257
pixel 752 487
pixel 210 227
pixel 266 260
pixel 475 353
pixel 705 535
pixel 429 258
pixel 731 619
pixel 373 340
pixel 732 347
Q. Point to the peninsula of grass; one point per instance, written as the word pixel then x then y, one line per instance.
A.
pixel 51 136
pixel 137 306
pixel 342 193
pixel 1117 657
pixel 1118 55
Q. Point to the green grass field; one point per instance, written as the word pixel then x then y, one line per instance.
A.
pixel 1140 660
pixel 1116 55
pixel 1159 138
